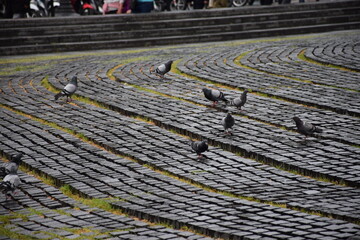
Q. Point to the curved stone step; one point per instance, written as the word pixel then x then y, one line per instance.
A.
pixel 44 35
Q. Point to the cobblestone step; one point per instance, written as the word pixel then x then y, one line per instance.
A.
pixel 69 34
pixel 149 195
pixel 338 6
pixel 50 214
pixel 290 85
pixel 137 32
pixel 249 22
pixel 274 139
pixel 126 148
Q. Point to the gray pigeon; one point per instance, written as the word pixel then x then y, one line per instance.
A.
pixel 9 184
pixel 11 166
pixel 214 95
pixel 199 147
pixel 162 69
pixel 68 90
pixel 306 128
pixel 240 101
pixel 228 122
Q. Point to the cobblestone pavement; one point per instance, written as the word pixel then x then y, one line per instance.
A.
pixel 115 163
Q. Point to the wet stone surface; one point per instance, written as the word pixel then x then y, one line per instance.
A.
pixel 122 145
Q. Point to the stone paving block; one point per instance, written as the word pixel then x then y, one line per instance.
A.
pixel 266 134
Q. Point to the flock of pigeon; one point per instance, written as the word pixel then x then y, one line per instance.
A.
pixel 8 171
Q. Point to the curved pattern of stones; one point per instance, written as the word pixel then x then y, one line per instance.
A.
pixel 125 149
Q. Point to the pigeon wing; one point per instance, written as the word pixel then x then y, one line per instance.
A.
pixel 194 146
pixel 8 167
pixel 237 102
pixel 13 180
pixel 199 147
pixel 161 69
pixel 70 88
pixel 308 128
pixel 228 121
pixel 203 146
pixel 215 94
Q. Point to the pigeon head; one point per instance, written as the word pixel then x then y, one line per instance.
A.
pixel 74 80
pixel 205 90
pixel 297 120
pixel 17 158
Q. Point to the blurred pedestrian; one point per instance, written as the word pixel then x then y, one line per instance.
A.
pixel 15 9
pixel 87 8
pixel 144 6
pixel 116 6
pixel 166 6
pixel 200 4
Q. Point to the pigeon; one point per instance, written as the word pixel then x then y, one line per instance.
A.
pixel 9 184
pixel 162 69
pixel 199 147
pixel 239 101
pixel 214 95
pixel 305 128
pixel 68 90
pixel 11 166
pixel 228 122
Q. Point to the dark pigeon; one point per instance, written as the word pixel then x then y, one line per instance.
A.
pixel 68 90
pixel 199 147
pixel 214 95
pixel 306 128
pixel 9 184
pixel 228 122
pixel 11 166
pixel 240 101
pixel 162 69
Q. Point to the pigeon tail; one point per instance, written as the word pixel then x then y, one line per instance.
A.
pixel 58 95
pixel 5 187
pixel 223 98
pixel 318 130
pixel 3 172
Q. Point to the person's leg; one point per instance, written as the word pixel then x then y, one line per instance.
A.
pixel 147 7
pixel 198 4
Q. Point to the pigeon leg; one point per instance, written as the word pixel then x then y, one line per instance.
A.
pixel 227 132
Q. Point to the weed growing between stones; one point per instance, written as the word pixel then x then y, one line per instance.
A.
pixel 302 56
pixel 13 234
